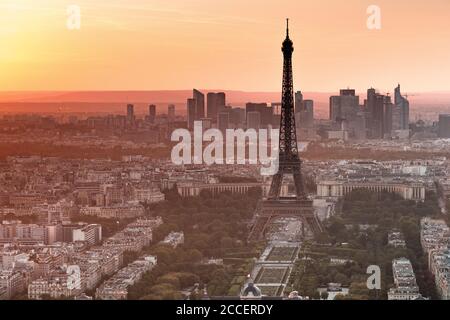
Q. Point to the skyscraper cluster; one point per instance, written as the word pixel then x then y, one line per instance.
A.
pixel 304 116
pixel 195 107
pixel 217 113
pixel 215 104
pixel 259 115
pixel 378 118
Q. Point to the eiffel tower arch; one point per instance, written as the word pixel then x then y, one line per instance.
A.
pixel 289 164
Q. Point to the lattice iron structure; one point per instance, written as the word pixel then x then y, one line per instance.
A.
pixel 289 163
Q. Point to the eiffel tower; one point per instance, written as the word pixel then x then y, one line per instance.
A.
pixel 289 164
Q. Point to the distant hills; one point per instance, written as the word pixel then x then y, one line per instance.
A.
pixel 112 101
pixel 164 96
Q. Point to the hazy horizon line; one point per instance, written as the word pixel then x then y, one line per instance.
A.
pixel 208 90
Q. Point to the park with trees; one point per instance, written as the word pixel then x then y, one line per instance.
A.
pixel 359 234
pixel 214 227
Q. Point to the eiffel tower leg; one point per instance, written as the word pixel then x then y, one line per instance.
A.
pixel 275 187
pixel 298 181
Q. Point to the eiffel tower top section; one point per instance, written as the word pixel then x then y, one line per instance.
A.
pixel 288 136
pixel 288 45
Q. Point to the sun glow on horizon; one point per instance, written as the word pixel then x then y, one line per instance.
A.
pixel 153 45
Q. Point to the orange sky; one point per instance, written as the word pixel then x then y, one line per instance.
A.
pixel 226 44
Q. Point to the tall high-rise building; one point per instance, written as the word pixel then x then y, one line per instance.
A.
pixel 383 117
pixel 360 127
pixel 344 109
pixel 171 112
pixel 253 120
pixel 335 108
pixel 211 105
pixel 152 113
pixel 374 110
pixel 444 126
pixel 306 114
pixel 344 106
pixel 267 118
pixel 130 114
pixel 221 101
pixel 237 117
pixel 370 101
pixel 223 121
pixel 403 104
pixel 266 112
pixel 393 118
pixel 191 114
pixel 371 93
pixel 199 104
pixel 378 117
pixel 206 123
pixel 390 112
pixel 215 104
pixel 298 101
pixel 349 102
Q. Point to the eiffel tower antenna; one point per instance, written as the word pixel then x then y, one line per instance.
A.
pixel 287 27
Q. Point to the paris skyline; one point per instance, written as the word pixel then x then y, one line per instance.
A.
pixel 127 45
pixel 273 191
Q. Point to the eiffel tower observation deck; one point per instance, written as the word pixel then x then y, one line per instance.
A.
pixel 275 206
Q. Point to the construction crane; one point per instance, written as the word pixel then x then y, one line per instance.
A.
pixel 410 95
